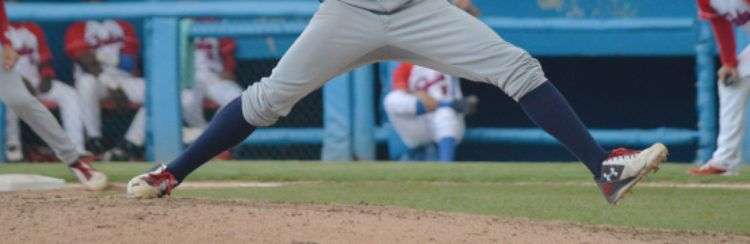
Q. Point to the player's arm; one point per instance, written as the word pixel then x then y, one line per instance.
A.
pixel 468 6
pixel 130 48
pixel 9 55
pixel 46 69
pixel 401 84
pixel 227 49
pixel 79 51
pixel 724 34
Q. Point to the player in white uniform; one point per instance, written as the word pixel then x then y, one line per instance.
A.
pixel 734 83
pixel 422 108
pixel 16 96
pixel 35 67
pixel 214 64
pixel 105 54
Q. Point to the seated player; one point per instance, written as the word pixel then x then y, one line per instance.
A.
pixel 734 84
pixel 427 107
pixel 105 53
pixel 214 64
pixel 35 67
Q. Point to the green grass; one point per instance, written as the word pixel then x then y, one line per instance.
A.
pixel 374 171
pixel 490 189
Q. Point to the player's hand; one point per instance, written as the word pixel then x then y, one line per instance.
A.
pixel 227 75
pixel 728 75
pixel 89 63
pixel 466 105
pixel 428 101
pixel 9 57
pixel 468 6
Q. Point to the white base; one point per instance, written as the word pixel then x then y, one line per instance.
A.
pixel 20 182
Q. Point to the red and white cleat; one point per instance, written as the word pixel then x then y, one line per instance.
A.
pixel 91 178
pixel 624 168
pixel 708 170
pixel 155 184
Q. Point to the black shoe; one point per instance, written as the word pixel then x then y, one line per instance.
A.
pixel 125 151
pixel 466 105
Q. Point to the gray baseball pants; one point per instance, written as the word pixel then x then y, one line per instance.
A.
pixel 16 97
pixel 346 34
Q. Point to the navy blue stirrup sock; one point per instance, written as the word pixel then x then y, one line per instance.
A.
pixel 447 149
pixel 551 111
pixel 227 129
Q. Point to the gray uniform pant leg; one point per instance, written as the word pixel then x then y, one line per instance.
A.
pixel 17 98
pixel 438 35
pixel 338 38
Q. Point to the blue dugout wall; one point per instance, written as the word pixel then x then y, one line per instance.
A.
pixel 553 28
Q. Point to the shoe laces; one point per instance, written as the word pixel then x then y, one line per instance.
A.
pixel 84 167
pixel 622 153
pixel 162 178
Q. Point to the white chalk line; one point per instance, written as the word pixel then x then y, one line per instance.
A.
pixel 255 184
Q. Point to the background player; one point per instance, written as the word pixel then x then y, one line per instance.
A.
pixel 105 54
pixel 35 67
pixel 422 106
pixel 15 95
pixel 345 34
pixel 214 64
pixel 734 83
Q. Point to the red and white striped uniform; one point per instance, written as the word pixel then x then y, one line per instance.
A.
pixel 3 23
pixel 107 38
pixel 401 106
pixel 215 54
pixel 34 65
pixel 35 59
pixel 213 57
pixel 413 78
pixel 723 15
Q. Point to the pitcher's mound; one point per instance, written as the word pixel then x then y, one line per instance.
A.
pixel 76 216
pixel 20 182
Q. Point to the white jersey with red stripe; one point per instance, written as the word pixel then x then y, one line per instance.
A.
pixel 107 37
pixel 208 55
pixel 25 43
pixel 438 85
pixel 35 58
pixel 735 11
pixel 213 56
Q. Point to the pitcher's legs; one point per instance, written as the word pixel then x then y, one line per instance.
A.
pixel 337 37
pixel 319 54
pixel 438 35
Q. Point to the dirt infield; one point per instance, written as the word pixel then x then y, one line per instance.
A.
pixel 76 216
